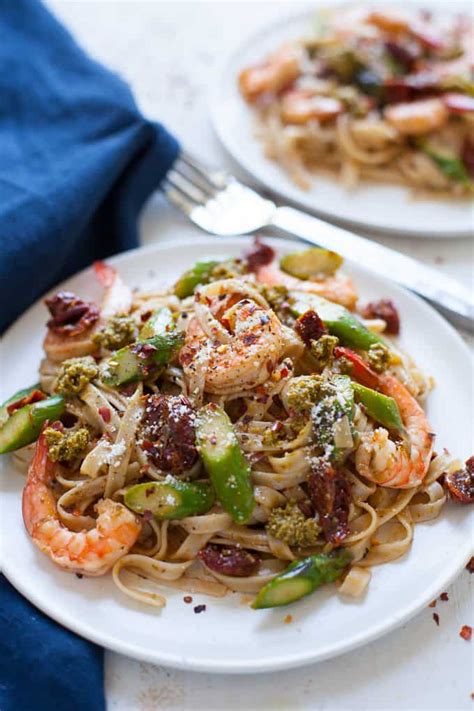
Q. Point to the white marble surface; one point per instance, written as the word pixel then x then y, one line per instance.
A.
pixel 168 52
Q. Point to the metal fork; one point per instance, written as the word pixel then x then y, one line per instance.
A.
pixel 221 205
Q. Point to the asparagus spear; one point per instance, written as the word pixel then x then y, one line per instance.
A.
pixel 225 462
pixel 25 424
pixel 312 262
pixel 157 343
pixel 301 578
pixel 170 499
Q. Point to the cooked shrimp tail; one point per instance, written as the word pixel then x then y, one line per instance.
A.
pixel 90 552
pixel 399 465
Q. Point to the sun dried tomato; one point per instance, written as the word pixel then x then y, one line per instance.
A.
pixel 33 396
pixel 330 495
pixel 258 255
pixel 405 54
pixel 70 314
pixel 414 86
pixel 460 484
pixel 309 327
pixel 229 560
pixel 386 310
pixel 169 432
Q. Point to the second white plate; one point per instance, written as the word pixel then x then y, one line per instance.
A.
pixel 384 208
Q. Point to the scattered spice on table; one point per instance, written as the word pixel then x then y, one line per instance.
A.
pixel 432 604
pixel 444 596
pixel 187 599
pixel 79 575
pixel 466 632
pixel 288 619
pixel 470 565
pixel 436 618
pixel 199 608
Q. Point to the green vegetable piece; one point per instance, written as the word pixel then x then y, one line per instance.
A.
pixel 337 319
pixel 225 462
pixel 383 409
pixel 14 398
pixel 199 274
pixel 312 262
pixel 332 418
pixel 25 424
pixel 301 578
pixel 450 165
pixel 170 499
pixel 157 344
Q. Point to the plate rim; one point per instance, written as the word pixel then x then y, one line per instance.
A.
pixel 275 662
pixel 217 121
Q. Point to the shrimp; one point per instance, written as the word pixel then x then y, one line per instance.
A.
pixel 277 72
pixel 301 106
pixel 59 346
pixel 87 552
pixel 398 466
pixel 339 288
pixel 389 21
pixel 417 117
pixel 237 342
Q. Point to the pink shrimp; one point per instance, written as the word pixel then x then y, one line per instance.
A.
pixel 273 75
pixel 398 466
pixel 60 345
pixel 87 552
pixel 338 288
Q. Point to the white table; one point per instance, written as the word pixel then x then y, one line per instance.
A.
pixel 168 51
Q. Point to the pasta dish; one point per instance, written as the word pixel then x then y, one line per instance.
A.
pixel 254 428
pixel 371 94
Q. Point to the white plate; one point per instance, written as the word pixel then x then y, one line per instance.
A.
pixel 229 636
pixel 386 208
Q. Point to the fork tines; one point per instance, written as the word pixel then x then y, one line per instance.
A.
pixel 188 183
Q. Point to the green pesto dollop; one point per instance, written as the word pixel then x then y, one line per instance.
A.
pixel 302 393
pixel 75 374
pixel 291 526
pixel 230 269
pixel 379 357
pixel 322 350
pixel 118 332
pixel 66 446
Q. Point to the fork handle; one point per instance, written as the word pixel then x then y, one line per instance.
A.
pixel 445 294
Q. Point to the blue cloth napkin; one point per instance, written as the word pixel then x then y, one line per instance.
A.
pixel 77 162
pixel 77 159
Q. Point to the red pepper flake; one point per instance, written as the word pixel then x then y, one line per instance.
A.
pixel 105 413
pixel 466 632
pixel 432 604
pixel 187 599
pixel 444 596
pixel 199 608
pixel 436 618
pixel 470 565
pixel 288 619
